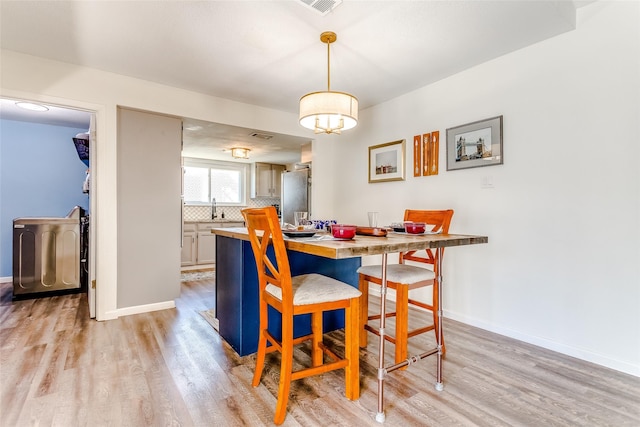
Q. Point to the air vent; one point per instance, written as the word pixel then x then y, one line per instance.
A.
pixel 261 135
pixel 321 6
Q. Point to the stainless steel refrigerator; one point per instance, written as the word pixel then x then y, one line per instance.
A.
pixel 295 194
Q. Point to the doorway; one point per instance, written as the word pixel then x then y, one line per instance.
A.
pixel 45 160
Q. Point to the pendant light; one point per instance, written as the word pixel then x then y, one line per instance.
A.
pixel 328 111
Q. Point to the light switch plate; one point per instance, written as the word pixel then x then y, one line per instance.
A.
pixel 487 182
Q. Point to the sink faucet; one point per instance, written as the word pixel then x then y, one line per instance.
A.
pixel 214 215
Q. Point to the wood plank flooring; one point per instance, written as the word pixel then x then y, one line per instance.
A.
pixel 171 368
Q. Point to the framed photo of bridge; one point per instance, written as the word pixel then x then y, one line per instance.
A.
pixel 475 144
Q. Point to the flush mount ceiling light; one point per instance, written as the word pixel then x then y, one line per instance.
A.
pixel 328 111
pixel 240 153
pixel 31 106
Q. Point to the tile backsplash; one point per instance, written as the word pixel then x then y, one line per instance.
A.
pixel 203 213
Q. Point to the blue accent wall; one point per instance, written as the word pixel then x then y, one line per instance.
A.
pixel 41 175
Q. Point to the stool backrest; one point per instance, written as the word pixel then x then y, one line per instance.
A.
pixel 437 221
pixel 264 230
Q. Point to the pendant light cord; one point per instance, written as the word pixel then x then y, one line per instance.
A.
pixel 328 66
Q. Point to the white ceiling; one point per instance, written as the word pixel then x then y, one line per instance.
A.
pixel 56 116
pixel 268 53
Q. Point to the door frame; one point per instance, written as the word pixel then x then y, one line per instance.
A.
pixel 96 301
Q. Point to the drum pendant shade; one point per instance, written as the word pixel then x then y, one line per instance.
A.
pixel 328 111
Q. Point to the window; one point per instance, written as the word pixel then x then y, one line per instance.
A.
pixel 204 180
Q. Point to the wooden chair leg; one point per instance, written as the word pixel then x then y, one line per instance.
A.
pixel 262 346
pixel 402 322
pixel 286 368
pixel 352 349
pixel 363 286
pixel 316 329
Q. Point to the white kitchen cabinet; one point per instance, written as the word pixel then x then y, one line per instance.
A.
pixel 199 244
pixel 266 179
pixel 189 245
pixel 206 253
pixel 277 178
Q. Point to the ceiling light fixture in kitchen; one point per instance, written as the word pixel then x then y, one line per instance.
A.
pixel 31 106
pixel 328 111
pixel 240 153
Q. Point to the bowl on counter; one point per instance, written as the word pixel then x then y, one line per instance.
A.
pixel 398 227
pixel 343 231
pixel 415 227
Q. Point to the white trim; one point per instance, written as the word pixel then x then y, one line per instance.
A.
pixel 139 309
pixel 197 267
pixel 7 279
pixel 585 355
pixel 103 221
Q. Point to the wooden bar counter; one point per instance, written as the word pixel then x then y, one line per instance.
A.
pixel 237 282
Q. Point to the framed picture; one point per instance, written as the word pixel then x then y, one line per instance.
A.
pixel 426 154
pixel 386 162
pixel 435 152
pixel 475 144
pixel 417 155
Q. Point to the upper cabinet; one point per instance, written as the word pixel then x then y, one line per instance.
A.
pixel 266 179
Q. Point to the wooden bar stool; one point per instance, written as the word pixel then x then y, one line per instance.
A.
pixel 307 293
pixel 403 277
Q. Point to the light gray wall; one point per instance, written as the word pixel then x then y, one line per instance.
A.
pixel 149 206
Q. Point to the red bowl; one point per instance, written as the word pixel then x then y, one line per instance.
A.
pixel 415 227
pixel 342 231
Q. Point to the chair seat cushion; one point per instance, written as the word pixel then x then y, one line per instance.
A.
pixel 315 289
pixel 399 273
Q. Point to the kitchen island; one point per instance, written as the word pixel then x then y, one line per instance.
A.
pixel 237 280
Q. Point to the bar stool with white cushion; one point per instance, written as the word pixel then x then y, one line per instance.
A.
pixel 291 296
pixel 404 277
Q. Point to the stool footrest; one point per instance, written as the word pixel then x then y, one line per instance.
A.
pixel 377 316
pixel 421 331
pixel 410 334
pixel 375 331
pixel 410 360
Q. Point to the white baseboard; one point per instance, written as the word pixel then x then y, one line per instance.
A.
pixel 138 309
pixel 588 356
pixel 197 267
pixel 7 279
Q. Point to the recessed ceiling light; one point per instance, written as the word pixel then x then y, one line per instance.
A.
pixel 31 106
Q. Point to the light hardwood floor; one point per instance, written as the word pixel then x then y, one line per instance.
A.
pixel 170 368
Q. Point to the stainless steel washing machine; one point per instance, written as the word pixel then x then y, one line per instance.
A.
pixel 46 253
